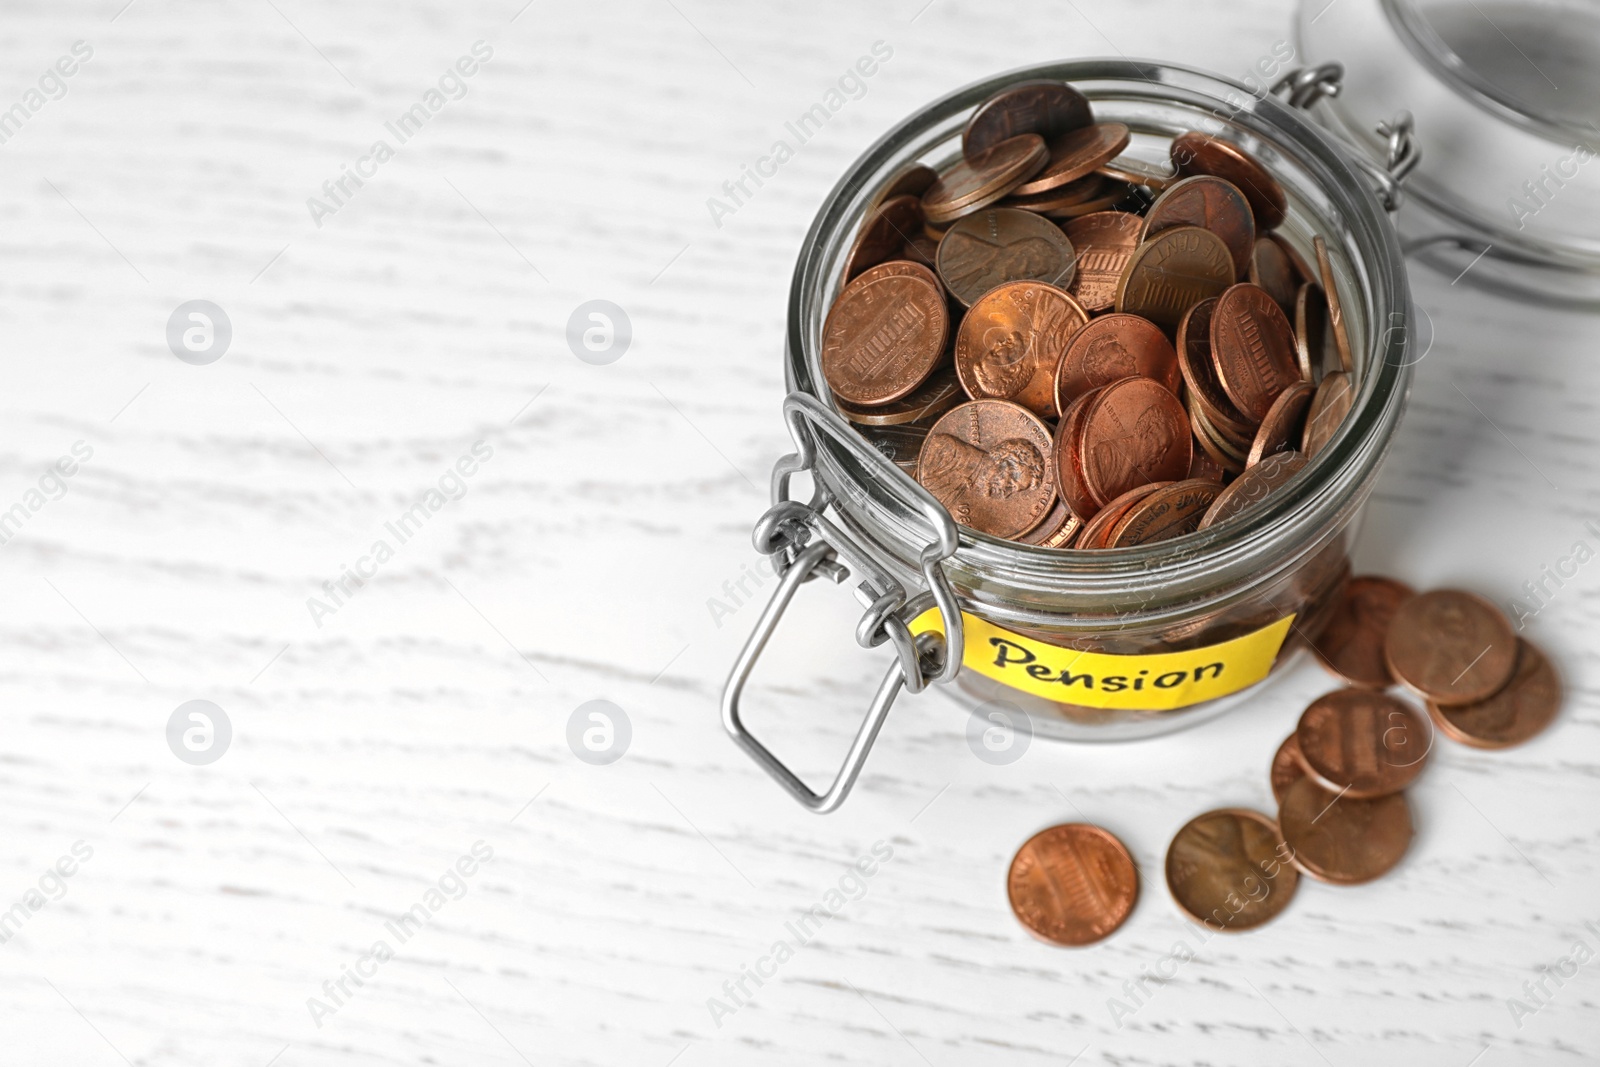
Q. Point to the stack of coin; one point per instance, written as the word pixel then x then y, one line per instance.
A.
pixel 1339 779
pixel 1076 349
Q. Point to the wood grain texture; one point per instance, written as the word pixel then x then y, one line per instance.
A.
pixel 430 711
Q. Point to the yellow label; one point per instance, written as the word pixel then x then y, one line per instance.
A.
pixel 1158 682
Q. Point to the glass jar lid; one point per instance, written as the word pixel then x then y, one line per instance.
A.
pixel 1506 99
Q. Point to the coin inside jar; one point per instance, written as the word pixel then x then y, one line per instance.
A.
pixel 1171 511
pixel 978 181
pixel 1075 154
pixel 1229 869
pixel 999 245
pixel 988 463
pixel 1310 329
pixel 1097 531
pixel 1104 242
pixel 883 337
pixel 1521 709
pixel 1112 347
pixel 1330 289
pixel 1272 270
pixel 1351 646
pixel 1212 203
pixel 1199 153
pixel 1334 398
pixel 1173 271
pixel 1011 340
pixel 1451 647
pixel 1341 839
pixel 1072 884
pixel 885 232
pixel 1361 743
pixel 1199 371
pixel 1253 347
pixel 1135 432
pixel 931 399
pixel 1254 486
pixel 1283 425
pixel 1047 108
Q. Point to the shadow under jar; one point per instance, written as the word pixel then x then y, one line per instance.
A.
pixel 1124 643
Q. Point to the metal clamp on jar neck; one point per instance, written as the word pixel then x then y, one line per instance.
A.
pixel 804 544
pixel 1305 87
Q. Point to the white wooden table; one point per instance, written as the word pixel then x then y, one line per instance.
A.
pixel 376 740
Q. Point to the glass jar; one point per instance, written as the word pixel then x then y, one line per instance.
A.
pixel 1109 632
pixel 1507 99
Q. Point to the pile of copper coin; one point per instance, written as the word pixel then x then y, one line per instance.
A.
pixel 1077 350
pixel 1339 778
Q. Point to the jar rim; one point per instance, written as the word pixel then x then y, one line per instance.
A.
pixel 1377 267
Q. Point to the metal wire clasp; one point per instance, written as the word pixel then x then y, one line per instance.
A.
pixel 1305 87
pixel 805 544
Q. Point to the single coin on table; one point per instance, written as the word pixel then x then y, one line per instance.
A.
pixel 1520 710
pixel 1229 870
pixel 1044 107
pixel 886 231
pixel 1096 532
pixel 1104 242
pixel 998 245
pixel 1271 268
pixel 1211 203
pixel 988 463
pixel 1351 646
pixel 1284 424
pixel 1310 329
pixel 1362 744
pixel 932 398
pixel 1112 347
pixel 1254 486
pixel 884 336
pixel 1286 768
pixel 1451 647
pixel 1171 511
pixel 1341 839
pixel 1336 320
pixel 1173 271
pixel 1199 153
pixel 1072 884
pixel 1253 347
pixel 976 182
pixel 1011 340
pixel 1135 432
pixel 1076 154
pixel 1334 398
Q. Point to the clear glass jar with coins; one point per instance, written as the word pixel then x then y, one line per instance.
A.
pixel 1092 366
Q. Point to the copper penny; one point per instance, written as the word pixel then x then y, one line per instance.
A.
pixel 913 179
pixel 1058 530
pixel 1171 511
pixel 883 337
pixel 1221 451
pixel 1525 706
pixel 1230 869
pixel 1451 647
pixel 1072 884
pixel 1336 395
pixel 1010 342
pixel 1075 154
pixel 988 463
pixel 899 445
pixel 885 232
pixel 1302 270
pixel 1084 189
pixel 1286 768
pixel 1135 432
pixel 1000 245
pixel 1070 480
pixel 1285 422
pixel 932 398
pixel 906 267
pixel 1330 287
pixel 1173 271
pixel 1046 108
pixel 1253 347
pixel 1199 370
pixel 1310 329
pixel 1105 202
pixel 978 181
pixel 1271 269
pixel 1104 242
pixel 1112 347
pixel 921 250
pixel 1363 743
pixel 1198 153
pixel 1254 486
pixel 1097 531
pixel 1205 467
pixel 1352 644
pixel 1137 172
pixel 1341 839
pixel 1211 203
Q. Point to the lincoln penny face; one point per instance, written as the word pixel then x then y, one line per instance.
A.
pixel 988 463
pixel 1072 884
pixel 1134 433
pixel 1011 341
pixel 1112 347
